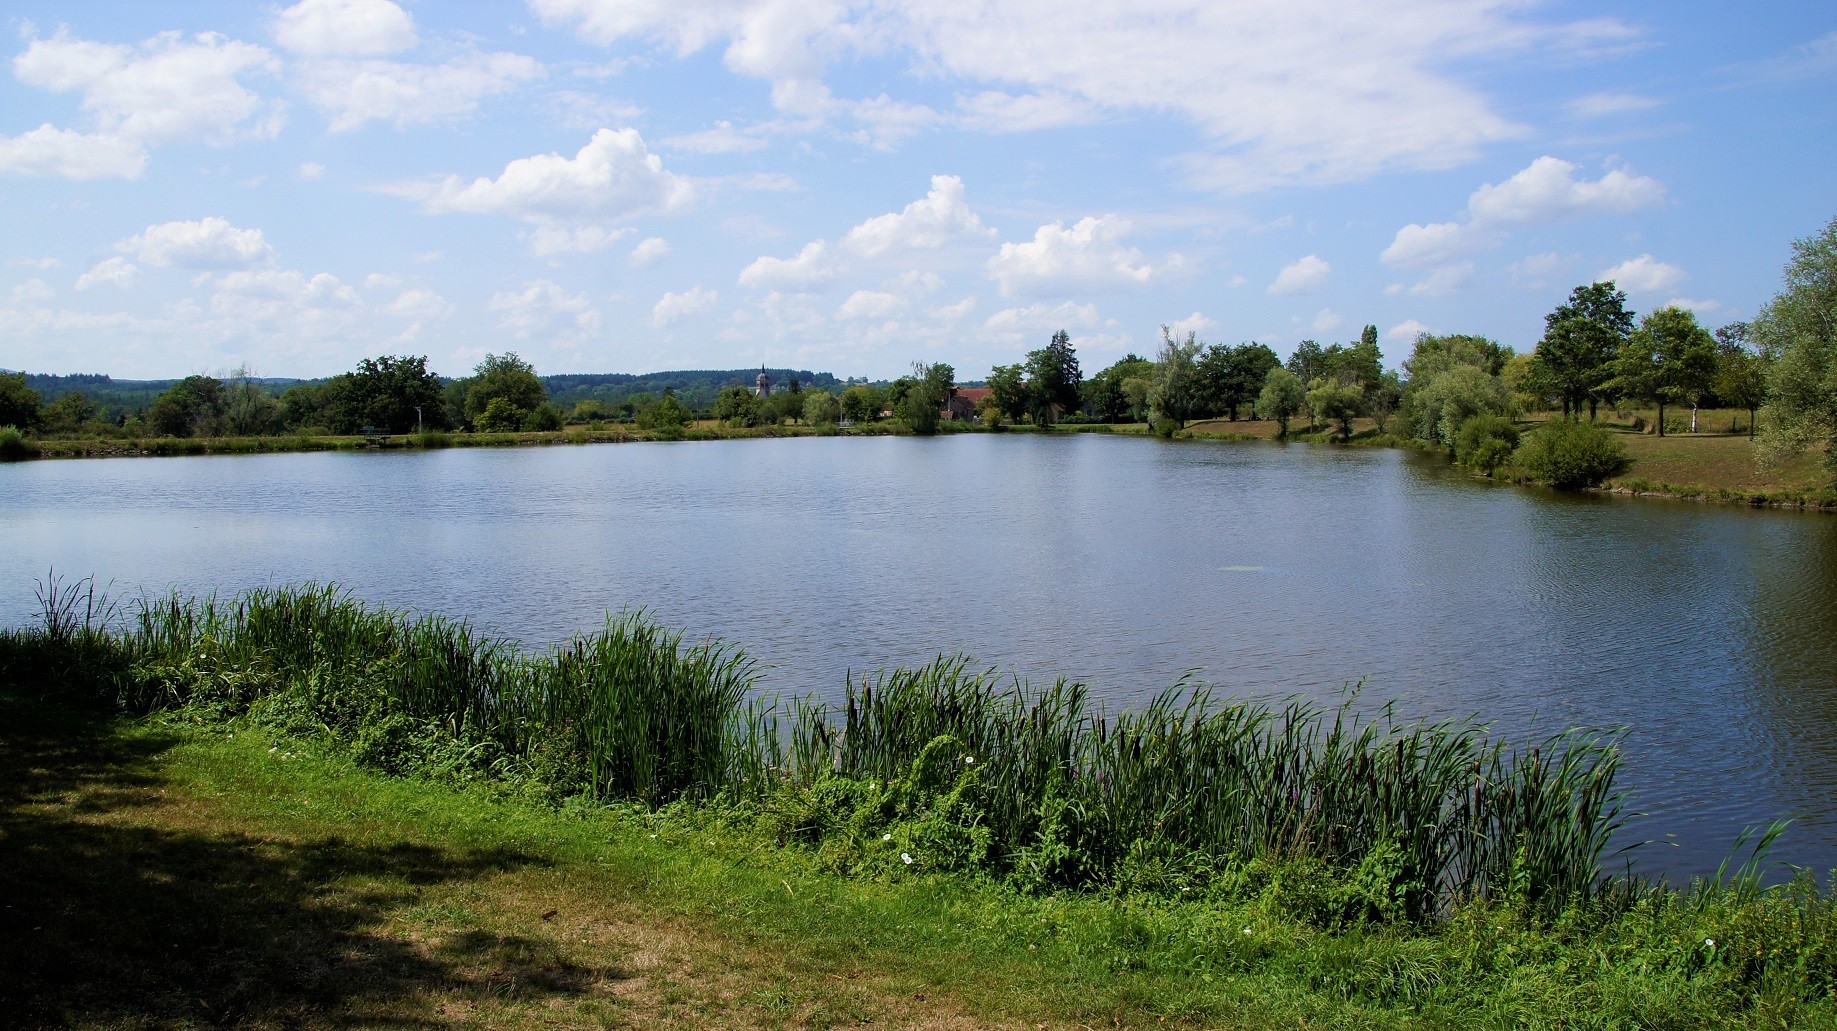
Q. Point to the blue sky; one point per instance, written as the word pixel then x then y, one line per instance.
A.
pixel 642 185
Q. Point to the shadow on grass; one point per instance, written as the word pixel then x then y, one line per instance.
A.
pixel 112 919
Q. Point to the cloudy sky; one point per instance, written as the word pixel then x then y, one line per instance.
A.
pixel 633 185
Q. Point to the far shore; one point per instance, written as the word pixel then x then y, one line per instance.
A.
pixel 1714 467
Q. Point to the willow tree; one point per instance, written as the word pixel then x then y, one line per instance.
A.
pixel 1798 330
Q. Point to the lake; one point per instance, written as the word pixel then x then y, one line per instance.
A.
pixel 1271 570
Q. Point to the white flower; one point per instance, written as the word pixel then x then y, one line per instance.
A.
pixel 969 760
pixel 1246 930
pixel 906 857
pixel 1711 942
pixel 886 837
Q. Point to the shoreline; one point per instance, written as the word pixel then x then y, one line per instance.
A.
pixel 1784 498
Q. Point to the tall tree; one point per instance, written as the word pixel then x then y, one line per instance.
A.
pixel 1174 395
pixel 1798 330
pixel 1008 387
pixel 387 391
pixel 506 376
pixel 1582 338
pixel 1281 397
pixel 191 407
pixel 19 404
pixel 1053 376
pixel 1741 373
pixel 1668 360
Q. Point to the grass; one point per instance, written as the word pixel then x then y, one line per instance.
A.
pixel 954 766
pixel 188 869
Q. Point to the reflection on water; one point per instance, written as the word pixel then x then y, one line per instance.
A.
pixel 1707 632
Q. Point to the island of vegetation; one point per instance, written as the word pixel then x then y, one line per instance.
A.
pixel 1655 404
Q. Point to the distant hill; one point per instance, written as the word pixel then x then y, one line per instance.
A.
pixel 696 388
pixel 120 396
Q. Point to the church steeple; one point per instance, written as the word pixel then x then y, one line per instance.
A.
pixel 763 383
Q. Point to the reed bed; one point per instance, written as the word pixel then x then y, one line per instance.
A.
pixel 1432 813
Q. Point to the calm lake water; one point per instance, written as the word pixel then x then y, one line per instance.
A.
pixel 1709 632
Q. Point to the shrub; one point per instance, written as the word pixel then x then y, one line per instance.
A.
pixel 1486 442
pixel 14 445
pixel 1572 454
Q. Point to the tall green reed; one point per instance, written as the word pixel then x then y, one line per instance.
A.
pixel 633 712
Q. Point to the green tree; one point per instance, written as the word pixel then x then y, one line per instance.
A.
pixel 395 393
pixel 1669 359
pixel 1052 374
pixel 506 376
pixel 191 407
pixel 591 409
pixel 1486 442
pixel 667 416
pixel 820 408
pixel 862 403
pixel 1174 393
pixel 67 414
pixel 248 410
pixel 1582 339
pixel 1281 397
pixel 1798 330
pixel 20 405
pixel 1008 388
pixel 1337 403
pixel 499 416
pixel 1571 454
pixel 1741 373
pixel 737 406
pixel 544 418
pixel 921 407
pixel 1450 379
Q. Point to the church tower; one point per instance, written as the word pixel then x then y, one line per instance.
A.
pixel 763 383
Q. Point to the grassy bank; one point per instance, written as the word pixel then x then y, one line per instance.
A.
pixel 1718 466
pixel 308 824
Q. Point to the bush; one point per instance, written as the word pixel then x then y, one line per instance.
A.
pixel 14 445
pixel 1572 454
pixel 1486 442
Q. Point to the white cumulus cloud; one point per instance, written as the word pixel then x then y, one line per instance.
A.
pixel 673 306
pixel 614 175
pixel 1304 274
pixel 1196 323
pixel 1087 256
pixel 648 250
pixel 1445 280
pixel 210 243
pixel 931 221
pixel 547 241
pixel 810 268
pixel 357 92
pixel 115 271
pixel 1409 329
pixel 1643 275
pixel 542 306
pixel 871 304
pixel 1276 92
pixel 49 151
pixel 1547 190
pixel 344 28
pixel 166 89
pixel 419 303
pixel 1543 192
pixel 1043 316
